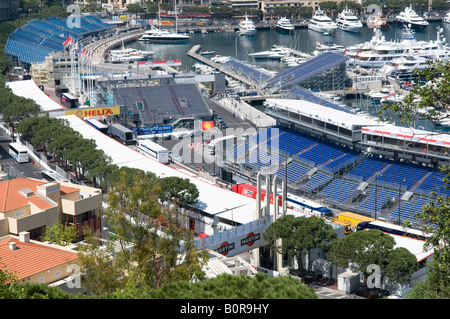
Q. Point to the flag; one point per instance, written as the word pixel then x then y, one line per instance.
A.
pixel 207 125
pixel 68 41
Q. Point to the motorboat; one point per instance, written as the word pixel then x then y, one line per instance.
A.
pixel 376 96
pixel 207 52
pixel 276 52
pixel 246 26
pixel 347 21
pixel 377 20
pixel 328 47
pixel 155 35
pixel 409 16
pixel 284 25
pixel 447 18
pixel 321 22
pixel 129 55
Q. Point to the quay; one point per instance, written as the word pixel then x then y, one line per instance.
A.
pixel 193 53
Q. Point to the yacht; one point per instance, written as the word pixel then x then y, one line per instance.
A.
pixel 409 16
pixel 155 35
pixel 321 23
pixel 378 21
pixel 447 18
pixel 347 21
pixel 328 47
pixel 384 52
pixel 276 52
pixel 246 26
pixel 128 55
pixel 284 25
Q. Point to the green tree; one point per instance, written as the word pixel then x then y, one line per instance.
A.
pixel 361 249
pixel 401 264
pixel 60 234
pixel 134 8
pixel 435 93
pixel 162 248
pixel 226 286
pixel 7 279
pixel 299 235
pixel 178 190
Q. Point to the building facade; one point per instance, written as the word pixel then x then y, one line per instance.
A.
pixel 9 10
pixel 31 205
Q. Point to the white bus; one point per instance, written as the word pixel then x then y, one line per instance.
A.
pixel 18 152
pixel 52 177
pixel 221 141
pixel 156 151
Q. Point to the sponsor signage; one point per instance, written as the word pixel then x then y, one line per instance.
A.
pixel 250 239
pixel 94 111
pixel 148 130
pixel 225 247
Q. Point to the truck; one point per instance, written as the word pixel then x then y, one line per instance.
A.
pixel 121 133
pixel 351 220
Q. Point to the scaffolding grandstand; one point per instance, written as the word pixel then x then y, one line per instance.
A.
pixel 32 42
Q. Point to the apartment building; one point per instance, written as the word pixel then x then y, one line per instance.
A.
pixel 30 205
pixel 54 70
pixel 9 10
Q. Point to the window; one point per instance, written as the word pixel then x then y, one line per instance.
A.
pixel 41 280
pixel 57 273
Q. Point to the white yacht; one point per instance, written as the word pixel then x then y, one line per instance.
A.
pixel 347 21
pixel 155 35
pixel 385 52
pixel 276 52
pixel 284 25
pixel 409 16
pixel 246 26
pixel 328 47
pixel 321 22
pixel 128 55
pixel 447 18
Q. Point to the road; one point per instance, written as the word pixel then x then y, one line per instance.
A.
pixel 11 166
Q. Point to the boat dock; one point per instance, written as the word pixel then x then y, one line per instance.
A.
pixel 193 53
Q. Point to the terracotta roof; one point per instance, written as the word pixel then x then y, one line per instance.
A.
pixel 11 198
pixel 32 258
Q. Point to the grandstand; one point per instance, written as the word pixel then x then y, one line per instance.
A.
pixel 164 102
pixel 32 42
pixel 243 69
pixel 311 68
pixel 343 178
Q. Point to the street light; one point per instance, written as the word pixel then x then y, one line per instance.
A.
pixel 399 199
pixel 376 195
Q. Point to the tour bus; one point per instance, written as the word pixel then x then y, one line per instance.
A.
pixel 52 177
pixel 304 205
pixel 225 143
pixel 156 151
pixel 69 100
pixel 18 152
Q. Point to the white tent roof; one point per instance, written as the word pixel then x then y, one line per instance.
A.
pixel 409 134
pixel 323 113
pixel 30 90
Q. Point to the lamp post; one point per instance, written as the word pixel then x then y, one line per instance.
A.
pixel 399 199
pixel 376 195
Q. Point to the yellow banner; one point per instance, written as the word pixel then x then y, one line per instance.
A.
pixel 94 111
